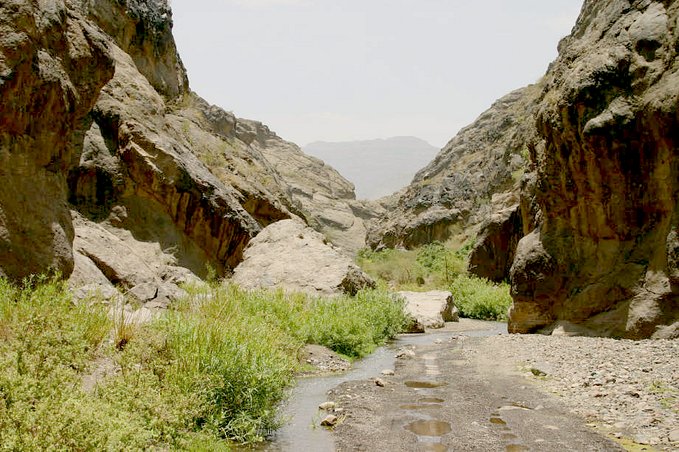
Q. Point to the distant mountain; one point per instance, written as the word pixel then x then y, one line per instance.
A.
pixel 376 167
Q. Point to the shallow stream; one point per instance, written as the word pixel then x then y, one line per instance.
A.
pixel 302 431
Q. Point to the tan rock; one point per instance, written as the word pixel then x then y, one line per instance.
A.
pixel 329 421
pixel 107 256
pixel 326 406
pixel 294 257
pixel 430 309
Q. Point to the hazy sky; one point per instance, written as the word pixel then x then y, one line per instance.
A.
pixel 337 70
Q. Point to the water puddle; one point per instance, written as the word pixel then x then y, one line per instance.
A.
pixel 430 400
pixel 419 407
pixel 497 421
pixel 516 448
pixel 434 447
pixel 430 367
pixel 429 428
pixel 425 384
pixel 301 414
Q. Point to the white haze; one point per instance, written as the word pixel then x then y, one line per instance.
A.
pixel 361 69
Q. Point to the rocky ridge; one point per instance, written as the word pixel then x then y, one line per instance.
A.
pixel 570 183
pixel 128 158
pixel 454 191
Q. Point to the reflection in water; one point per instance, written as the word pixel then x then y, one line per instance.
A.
pixel 430 400
pixel 516 448
pixel 425 384
pixel 419 407
pixel 434 447
pixel 429 428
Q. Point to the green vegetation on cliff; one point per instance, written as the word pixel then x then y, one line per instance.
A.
pixel 213 368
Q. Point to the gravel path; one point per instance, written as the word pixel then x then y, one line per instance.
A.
pixel 626 389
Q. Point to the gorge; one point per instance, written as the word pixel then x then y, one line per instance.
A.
pixel 116 177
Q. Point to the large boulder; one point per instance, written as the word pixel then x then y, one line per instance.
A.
pixel 607 183
pixel 430 309
pixel 107 256
pixel 292 256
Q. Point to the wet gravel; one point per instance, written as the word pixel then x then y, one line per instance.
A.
pixel 628 390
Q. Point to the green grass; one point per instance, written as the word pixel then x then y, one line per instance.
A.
pixel 213 369
pixel 439 266
pixel 478 298
pixel 432 266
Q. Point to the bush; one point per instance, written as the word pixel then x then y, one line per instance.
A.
pixel 355 326
pixel 431 266
pixel 214 368
pixel 478 298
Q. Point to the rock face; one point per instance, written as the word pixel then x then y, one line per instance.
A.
pixel 53 63
pixel 430 309
pixel 290 255
pixel 485 158
pixel 493 254
pixel 97 120
pixel 110 260
pixel 605 253
pixel 317 192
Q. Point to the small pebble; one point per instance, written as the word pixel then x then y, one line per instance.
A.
pixel 329 421
pixel 674 436
pixel 327 406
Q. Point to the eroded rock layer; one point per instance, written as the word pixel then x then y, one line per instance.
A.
pixel 97 120
pixel 605 253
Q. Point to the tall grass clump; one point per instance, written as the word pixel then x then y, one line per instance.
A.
pixel 354 326
pixel 210 371
pixel 431 266
pixel 478 298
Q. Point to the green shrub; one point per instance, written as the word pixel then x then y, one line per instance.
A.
pixel 478 298
pixel 354 326
pixel 431 266
pixel 214 368
pixel 46 343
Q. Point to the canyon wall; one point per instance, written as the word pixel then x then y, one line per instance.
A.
pixel 604 256
pixel 105 148
pixel 455 190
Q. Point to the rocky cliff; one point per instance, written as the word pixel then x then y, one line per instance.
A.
pixel 591 244
pixel 102 142
pixel 604 256
pixel 455 190
pixel 53 62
